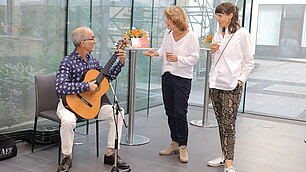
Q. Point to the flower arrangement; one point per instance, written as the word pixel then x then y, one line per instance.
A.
pixel 134 33
pixel 207 39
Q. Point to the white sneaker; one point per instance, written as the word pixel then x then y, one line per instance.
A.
pixel 230 169
pixel 217 161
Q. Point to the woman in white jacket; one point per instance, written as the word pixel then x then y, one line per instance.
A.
pixel 232 62
pixel 180 52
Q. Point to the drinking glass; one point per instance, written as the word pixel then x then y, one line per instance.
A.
pixel 169 50
pixel 217 42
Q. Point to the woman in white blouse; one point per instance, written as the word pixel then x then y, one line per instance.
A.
pixel 180 52
pixel 232 62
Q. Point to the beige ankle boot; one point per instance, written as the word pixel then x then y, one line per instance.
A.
pixel 172 148
pixel 183 154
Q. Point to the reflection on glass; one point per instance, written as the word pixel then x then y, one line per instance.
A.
pixel 32 41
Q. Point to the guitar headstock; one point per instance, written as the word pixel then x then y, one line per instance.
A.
pixel 121 44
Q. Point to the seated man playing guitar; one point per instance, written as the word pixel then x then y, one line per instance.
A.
pixel 69 82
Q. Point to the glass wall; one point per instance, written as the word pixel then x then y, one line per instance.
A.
pixel 109 20
pixel 277 85
pixel 158 28
pixel 31 43
pixel 33 33
pixel 202 21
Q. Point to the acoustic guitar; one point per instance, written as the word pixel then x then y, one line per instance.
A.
pixel 87 104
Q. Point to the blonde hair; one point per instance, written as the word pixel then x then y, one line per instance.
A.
pixel 178 17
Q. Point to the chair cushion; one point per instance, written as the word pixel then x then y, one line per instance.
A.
pixel 50 114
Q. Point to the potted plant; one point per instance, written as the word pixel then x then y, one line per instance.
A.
pixel 137 38
pixel 207 39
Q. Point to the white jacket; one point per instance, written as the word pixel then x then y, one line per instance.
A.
pixel 236 62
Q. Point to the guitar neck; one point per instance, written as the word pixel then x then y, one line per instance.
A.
pixel 106 68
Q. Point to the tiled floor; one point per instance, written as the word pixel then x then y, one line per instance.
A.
pixel 263 145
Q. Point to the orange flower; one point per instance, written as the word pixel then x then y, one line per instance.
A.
pixel 210 37
pixel 126 37
pixel 135 34
pixel 207 38
pixel 139 32
pixel 145 35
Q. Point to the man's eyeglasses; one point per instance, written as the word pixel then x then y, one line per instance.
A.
pixel 91 39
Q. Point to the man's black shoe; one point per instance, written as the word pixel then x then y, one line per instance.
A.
pixel 110 160
pixel 66 164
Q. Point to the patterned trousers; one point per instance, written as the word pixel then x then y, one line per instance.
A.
pixel 226 104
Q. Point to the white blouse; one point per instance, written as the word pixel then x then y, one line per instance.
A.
pixel 236 62
pixel 187 51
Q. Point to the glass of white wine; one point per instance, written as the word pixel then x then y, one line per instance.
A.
pixel 217 42
pixel 169 51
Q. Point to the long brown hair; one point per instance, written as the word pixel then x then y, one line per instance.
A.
pixel 228 8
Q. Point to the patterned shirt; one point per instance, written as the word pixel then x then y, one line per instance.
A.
pixel 72 70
